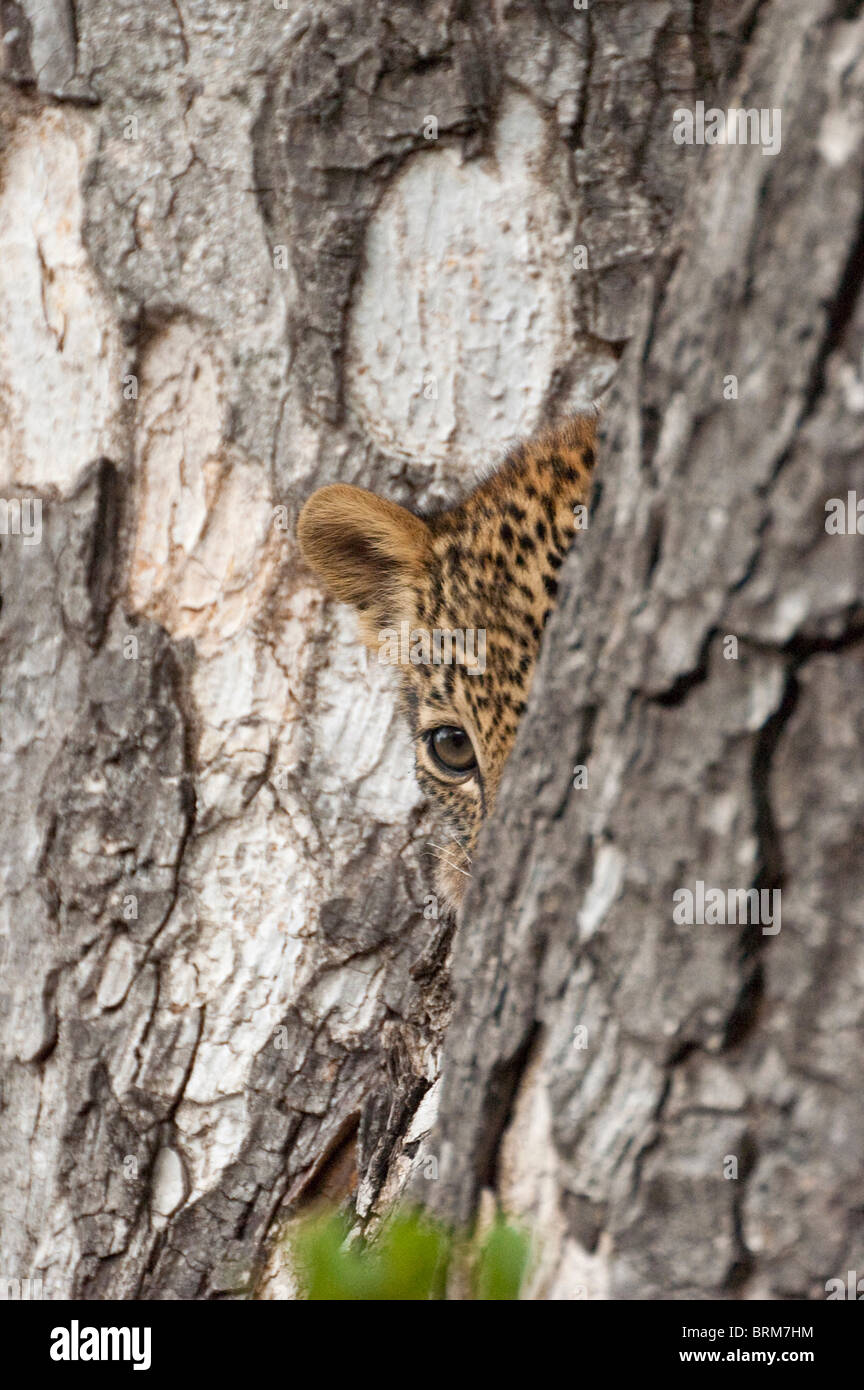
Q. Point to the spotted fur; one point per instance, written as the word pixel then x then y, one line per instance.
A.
pixel 490 563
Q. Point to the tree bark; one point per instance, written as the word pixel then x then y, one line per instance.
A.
pixel 251 250
pixel 604 1065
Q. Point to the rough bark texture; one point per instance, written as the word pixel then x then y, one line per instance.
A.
pixel 248 250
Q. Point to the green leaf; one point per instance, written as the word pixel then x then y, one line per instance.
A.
pixel 501 1264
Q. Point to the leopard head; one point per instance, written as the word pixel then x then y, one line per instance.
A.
pixel 458 601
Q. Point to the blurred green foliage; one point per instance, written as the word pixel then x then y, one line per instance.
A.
pixel 410 1258
pixel 501 1263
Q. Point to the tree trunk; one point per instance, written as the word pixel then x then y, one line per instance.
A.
pixel 248 251
pixel 678 1107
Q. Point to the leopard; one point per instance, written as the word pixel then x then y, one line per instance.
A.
pixel 488 566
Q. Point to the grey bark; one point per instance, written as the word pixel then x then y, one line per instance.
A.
pixel 239 264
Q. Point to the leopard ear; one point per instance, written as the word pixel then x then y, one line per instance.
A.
pixel 363 547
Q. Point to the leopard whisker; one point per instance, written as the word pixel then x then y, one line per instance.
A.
pixel 445 860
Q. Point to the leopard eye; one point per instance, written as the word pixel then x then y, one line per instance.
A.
pixel 451 748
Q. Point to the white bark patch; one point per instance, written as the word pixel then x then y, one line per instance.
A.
pixel 840 130
pixel 117 974
pixel 463 311
pixel 61 360
pixel 604 888
pixel 169 1183
pixel 206 544
pixel 256 879
pixel 764 695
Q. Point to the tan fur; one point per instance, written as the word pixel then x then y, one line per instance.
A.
pixel 489 563
pixel 365 548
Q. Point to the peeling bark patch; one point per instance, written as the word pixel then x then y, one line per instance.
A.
pixel 464 278
pixel 61 360
pixel 206 542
